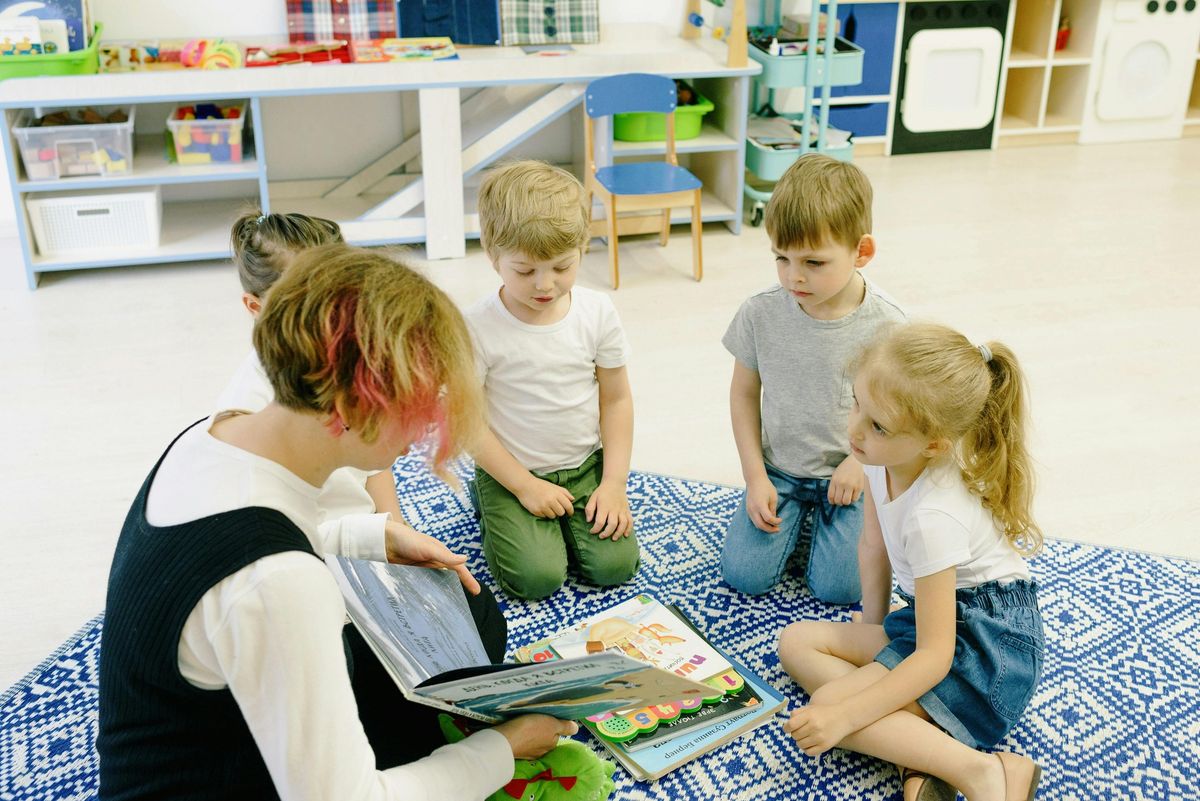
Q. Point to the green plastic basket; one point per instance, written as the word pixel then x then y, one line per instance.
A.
pixel 646 126
pixel 75 62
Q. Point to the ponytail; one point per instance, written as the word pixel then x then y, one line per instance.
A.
pixel 995 462
pixel 264 245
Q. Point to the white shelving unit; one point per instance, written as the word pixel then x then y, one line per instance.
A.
pixel 1044 91
pixel 423 189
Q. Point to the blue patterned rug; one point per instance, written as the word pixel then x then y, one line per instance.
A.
pixel 1117 715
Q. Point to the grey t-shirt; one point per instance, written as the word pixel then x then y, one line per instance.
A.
pixel 803 364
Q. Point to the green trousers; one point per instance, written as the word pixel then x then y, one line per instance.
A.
pixel 529 555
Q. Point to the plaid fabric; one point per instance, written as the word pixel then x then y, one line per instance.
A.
pixel 549 21
pixel 348 20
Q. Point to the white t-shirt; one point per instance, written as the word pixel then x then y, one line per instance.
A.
pixel 540 380
pixel 937 523
pixel 345 506
pixel 251 630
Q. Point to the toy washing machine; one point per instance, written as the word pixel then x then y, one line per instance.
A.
pixel 949 75
pixel 1143 71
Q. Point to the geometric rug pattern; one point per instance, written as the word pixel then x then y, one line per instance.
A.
pixel 1115 718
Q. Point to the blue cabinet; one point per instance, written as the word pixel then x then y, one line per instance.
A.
pixel 865 119
pixel 871 26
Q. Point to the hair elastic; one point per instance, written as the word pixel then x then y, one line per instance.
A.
pixel 985 352
pixel 260 219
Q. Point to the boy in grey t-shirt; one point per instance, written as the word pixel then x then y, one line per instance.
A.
pixel 791 392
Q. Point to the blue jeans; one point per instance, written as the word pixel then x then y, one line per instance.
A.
pixel 753 560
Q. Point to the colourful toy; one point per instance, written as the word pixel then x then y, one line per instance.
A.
pixel 571 772
pixel 216 54
pixel 206 132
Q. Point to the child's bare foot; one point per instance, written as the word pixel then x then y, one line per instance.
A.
pixel 919 786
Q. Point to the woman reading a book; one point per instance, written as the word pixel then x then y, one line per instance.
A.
pixel 226 672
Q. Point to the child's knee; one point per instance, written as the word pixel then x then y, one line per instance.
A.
pixel 835 588
pixel 745 576
pixel 613 563
pixel 533 582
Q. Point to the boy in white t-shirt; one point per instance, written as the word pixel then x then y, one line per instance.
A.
pixel 551 469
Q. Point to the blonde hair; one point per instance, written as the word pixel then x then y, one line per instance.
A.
pixel 819 199
pixel 360 336
pixel 264 245
pixel 930 379
pixel 532 208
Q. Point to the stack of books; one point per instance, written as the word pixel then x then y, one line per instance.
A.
pixel 639 676
pixel 651 741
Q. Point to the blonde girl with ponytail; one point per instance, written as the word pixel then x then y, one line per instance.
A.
pixel 940 424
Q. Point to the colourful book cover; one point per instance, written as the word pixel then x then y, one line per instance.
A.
pixel 646 630
pixel 650 764
pixel 73 12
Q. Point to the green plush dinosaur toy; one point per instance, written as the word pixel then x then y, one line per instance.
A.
pixel 570 772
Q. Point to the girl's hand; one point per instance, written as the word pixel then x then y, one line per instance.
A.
pixel 608 510
pixel 532 736
pixel 761 498
pixel 407 546
pixel 816 729
pixel 544 499
pixel 846 484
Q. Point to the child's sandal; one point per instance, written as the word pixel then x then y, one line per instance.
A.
pixel 932 788
pixel 1012 763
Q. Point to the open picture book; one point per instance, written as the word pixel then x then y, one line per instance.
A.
pixel 417 622
pixel 653 740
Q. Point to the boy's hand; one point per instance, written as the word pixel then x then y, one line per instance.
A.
pixel 846 484
pixel 608 510
pixel 407 546
pixel 761 498
pixel 816 729
pixel 545 499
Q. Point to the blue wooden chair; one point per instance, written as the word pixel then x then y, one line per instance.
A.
pixel 632 186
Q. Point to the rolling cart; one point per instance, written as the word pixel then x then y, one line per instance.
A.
pixel 788 64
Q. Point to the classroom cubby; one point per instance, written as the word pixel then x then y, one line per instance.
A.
pixel 1034 24
pixel 1083 16
pixel 1066 96
pixel 1023 98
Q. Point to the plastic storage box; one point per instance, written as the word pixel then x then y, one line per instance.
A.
pixel 92 223
pixel 770 164
pixel 650 127
pixel 215 139
pixel 75 62
pixel 65 151
pixel 790 70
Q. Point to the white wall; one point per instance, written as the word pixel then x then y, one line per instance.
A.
pixel 369 127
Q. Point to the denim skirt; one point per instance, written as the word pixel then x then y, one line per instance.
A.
pixel 997 660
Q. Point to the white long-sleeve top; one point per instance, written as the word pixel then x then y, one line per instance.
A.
pixel 347 510
pixel 272 634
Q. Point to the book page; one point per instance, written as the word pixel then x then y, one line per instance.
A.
pixel 416 618
pixel 641 628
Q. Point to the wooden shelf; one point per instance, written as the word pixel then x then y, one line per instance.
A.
pixel 1033 30
pixel 1068 89
pixel 1023 98
pixel 1024 58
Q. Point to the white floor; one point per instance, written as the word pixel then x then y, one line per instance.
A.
pixel 1084 259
